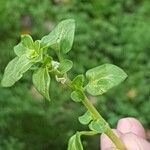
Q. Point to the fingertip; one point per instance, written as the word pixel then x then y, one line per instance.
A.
pixel 133 142
pixel 127 125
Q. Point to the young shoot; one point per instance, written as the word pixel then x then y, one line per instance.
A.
pixel 99 80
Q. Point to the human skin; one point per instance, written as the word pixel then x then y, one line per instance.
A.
pixel 131 132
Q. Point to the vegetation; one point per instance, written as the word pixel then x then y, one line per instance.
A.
pixel 35 55
pixel 108 32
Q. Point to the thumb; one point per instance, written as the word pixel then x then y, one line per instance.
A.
pixel 129 124
pixel 131 132
pixel 134 142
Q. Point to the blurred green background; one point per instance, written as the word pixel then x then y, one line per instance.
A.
pixel 112 31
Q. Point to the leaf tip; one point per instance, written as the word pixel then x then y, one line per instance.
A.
pixel 5 83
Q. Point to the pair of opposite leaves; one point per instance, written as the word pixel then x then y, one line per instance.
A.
pixel 95 126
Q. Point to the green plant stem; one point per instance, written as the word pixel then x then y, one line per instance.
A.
pixel 88 133
pixel 108 131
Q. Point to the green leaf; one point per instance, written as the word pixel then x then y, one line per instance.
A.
pixel 86 118
pixel 27 41
pixel 41 81
pixel 15 70
pixel 30 48
pixel 77 96
pixel 97 126
pixel 61 37
pixel 65 66
pixel 36 45
pixel 78 81
pixel 20 49
pixel 75 142
pixel 104 77
pixel 35 53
